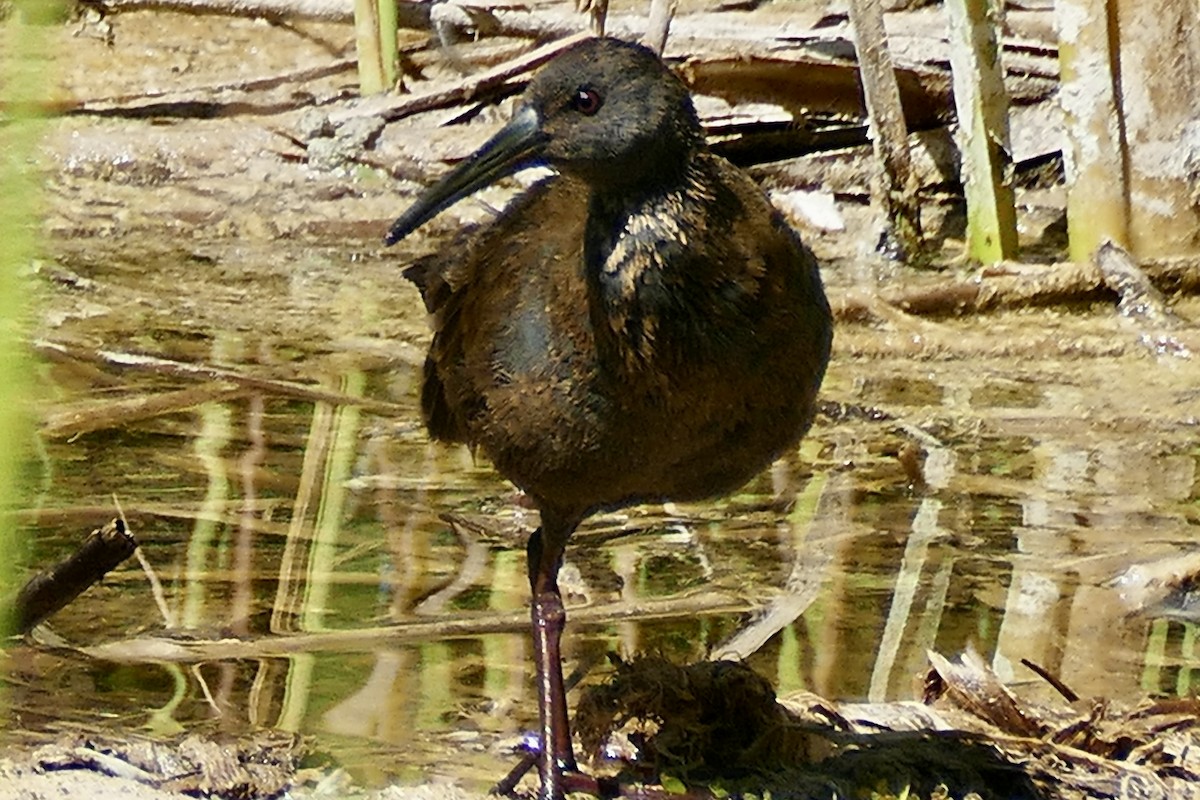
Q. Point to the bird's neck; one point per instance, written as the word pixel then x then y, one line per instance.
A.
pixel 643 271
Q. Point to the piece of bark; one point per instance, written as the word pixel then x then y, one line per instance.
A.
pixel 974 688
pixel 53 589
pixel 258 764
pixel 1139 298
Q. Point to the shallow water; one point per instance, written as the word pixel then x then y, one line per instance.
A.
pixel 312 582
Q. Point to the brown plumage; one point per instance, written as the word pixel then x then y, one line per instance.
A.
pixel 641 326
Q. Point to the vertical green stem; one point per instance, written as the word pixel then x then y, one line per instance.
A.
pixel 338 468
pixel 216 431
pixel 375 35
pixel 23 82
pixel 1155 657
pixel 389 44
pixel 982 105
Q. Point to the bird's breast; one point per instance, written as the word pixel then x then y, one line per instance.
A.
pixel 600 362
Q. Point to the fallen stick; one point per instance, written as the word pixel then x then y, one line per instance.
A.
pixel 1017 286
pixel 412 15
pixel 473 87
pixel 206 372
pixel 140 102
pixel 453 626
pixel 51 590
pixel 95 415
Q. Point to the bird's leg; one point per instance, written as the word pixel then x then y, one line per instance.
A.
pixel 545 553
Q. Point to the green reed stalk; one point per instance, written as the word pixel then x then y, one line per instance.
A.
pixel 24 38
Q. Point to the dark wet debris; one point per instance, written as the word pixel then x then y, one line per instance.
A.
pixel 712 720
pixel 718 726
pixel 841 412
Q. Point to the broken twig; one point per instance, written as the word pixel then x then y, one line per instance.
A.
pixel 498 80
pixel 181 369
pixel 51 590
pixel 1139 298
pixel 1009 285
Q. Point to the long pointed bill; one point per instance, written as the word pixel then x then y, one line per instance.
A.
pixel 516 145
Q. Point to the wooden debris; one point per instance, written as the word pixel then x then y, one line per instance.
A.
pixel 1013 285
pixel 208 372
pixel 808 71
pixel 1138 297
pixel 719 724
pixel 1090 749
pixel 53 589
pixel 341 10
pixel 1165 588
pixel 490 84
pixel 145 104
pixel 895 189
pixel 1142 303
pixel 258 765
pixel 96 415
pixel 808 83
pixel 453 625
pixel 975 689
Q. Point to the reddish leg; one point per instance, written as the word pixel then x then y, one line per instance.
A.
pixel 545 553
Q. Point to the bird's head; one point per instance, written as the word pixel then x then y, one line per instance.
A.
pixel 606 111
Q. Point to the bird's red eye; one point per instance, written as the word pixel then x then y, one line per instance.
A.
pixel 587 100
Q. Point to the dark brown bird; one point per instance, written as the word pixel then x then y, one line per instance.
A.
pixel 642 326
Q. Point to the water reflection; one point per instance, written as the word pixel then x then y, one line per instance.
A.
pixel 313 581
